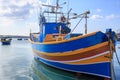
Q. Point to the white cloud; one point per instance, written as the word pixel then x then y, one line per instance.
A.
pixel 17 8
pixel 6 22
pixel 15 15
pixel 20 9
pixel 19 3
pixel 108 17
pixel 95 17
pixel 6 26
pixel 112 16
pixel 34 26
pixel 4 11
pixel 99 10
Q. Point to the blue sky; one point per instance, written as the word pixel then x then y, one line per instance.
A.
pixel 17 17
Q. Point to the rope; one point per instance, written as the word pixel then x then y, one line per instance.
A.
pixel 113 69
pixel 77 24
pixel 111 51
pixel 117 57
pixel 118 63
pixel 111 59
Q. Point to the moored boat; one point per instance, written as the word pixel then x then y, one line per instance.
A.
pixel 19 39
pixel 5 41
pixel 56 45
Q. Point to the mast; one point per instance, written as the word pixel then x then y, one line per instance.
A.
pixel 88 12
pixel 54 9
pixel 57 5
pixel 85 23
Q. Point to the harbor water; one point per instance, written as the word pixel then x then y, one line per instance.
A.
pixel 17 63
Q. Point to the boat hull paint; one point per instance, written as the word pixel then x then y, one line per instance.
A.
pixel 6 43
pixel 98 69
pixel 71 45
pixel 93 51
pixel 93 60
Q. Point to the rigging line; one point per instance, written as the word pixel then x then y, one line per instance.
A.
pixel 77 24
pixel 68 6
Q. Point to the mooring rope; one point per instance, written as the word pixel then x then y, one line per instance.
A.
pixel 112 49
pixel 113 69
pixel 111 59
pixel 117 57
pixel 113 63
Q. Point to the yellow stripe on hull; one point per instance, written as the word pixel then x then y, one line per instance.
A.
pixel 71 39
pixel 80 51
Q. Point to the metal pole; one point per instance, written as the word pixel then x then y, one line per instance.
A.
pixel 86 23
pixel 57 5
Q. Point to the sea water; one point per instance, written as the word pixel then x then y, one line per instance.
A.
pixel 17 63
pixel 15 60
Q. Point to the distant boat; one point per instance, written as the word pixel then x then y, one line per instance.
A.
pixel 5 40
pixel 19 39
pixel 26 39
pixel 58 47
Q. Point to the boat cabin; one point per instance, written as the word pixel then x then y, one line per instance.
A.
pixel 54 25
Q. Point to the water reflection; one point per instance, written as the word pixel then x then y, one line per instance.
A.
pixel 41 71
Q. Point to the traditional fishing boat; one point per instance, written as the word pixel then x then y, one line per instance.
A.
pixel 5 40
pixel 56 45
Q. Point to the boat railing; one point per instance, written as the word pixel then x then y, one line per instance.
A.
pixel 52 19
pixel 51 16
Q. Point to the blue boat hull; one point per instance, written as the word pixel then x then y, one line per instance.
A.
pixel 97 38
pixel 89 54
pixel 6 43
pixel 98 69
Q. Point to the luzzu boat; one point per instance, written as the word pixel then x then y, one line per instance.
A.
pixel 5 40
pixel 56 46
